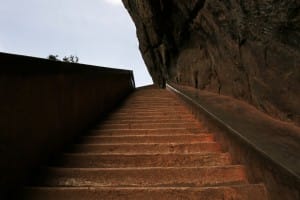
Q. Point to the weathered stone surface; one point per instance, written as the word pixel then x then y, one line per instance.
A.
pixel 245 49
pixel 165 167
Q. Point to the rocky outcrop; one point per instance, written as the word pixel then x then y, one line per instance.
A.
pixel 249 50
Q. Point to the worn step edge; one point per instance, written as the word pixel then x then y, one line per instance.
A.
pixel 162 120
pixel 160 116
pixel 147 176
pixel 150 116
pixel 148 139
pixel 174 112
pixel 186 123
pixel 162 129
pixel 154 135
pixel 149 148
pixel 148 107
pixel 93 160
pixel 147 131
pixel 238 192
pixel 154 112
pixel 137 133
pixel 165 105
pixel 153 107
pixel 148 125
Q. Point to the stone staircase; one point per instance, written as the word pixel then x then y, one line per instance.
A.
pixel 150 148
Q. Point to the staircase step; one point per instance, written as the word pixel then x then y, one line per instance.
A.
pixel 148 148
pixel 189 138
pixel 151 102
pixel 94 160
pixel 151 120
pixel 162 131
pixel 146 177
pixel 151 117
pixel 152 113
pixel 241 192
pixel 150 106
pixel 151 99
pixel 153 106
pixel 148 125
pixel 152 110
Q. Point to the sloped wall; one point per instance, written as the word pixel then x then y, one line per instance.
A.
pixel 45 104
pixel 246 49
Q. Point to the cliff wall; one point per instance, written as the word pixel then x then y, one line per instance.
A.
pixel 247 49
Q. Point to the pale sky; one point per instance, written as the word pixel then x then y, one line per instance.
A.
pixel 99 32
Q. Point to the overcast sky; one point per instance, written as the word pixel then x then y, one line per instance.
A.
pixel 99 32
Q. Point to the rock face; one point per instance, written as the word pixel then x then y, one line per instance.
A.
pixel 247 49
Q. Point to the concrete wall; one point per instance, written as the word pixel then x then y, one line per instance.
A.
pixel 45 104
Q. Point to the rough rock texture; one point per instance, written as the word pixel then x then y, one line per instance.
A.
pixel 248 49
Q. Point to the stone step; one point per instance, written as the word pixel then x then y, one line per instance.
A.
pixel 152 104
pixel 167 104
pixel 152 107
pixel 161 131
pixel 158 98
pixel 148 125
pixel 150 120
pixel 152 100
pixel 146 177
pixel 97 160
pixel 151 95
pixel 183 138
pixel 152 110
pixel 151 116
pixel 186 117
pixel 148 148
pixel 240 192
pixel 146 105
pixel 150 113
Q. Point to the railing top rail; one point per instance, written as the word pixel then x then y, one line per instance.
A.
pixel 14 64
